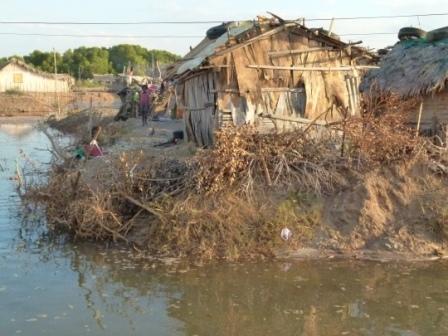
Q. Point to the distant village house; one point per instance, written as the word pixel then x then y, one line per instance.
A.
pixel 17 75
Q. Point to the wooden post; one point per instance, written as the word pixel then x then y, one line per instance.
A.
pixel 281 53
pixel 153 66
pixel 158 70
pixel 90 123
pixel 344 122
pixel 307 68
pixel 297 120
pixel 353 81
pixel 56 83
pixel 417 131
pixel 446 136
pixel 348 83
pixel 330 30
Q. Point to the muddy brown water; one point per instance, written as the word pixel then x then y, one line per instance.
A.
pixel 48 287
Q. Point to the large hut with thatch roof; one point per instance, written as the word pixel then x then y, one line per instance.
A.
pixel 415 69
pixel 271 73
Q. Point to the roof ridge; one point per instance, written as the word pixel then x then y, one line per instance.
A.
pixel 31 68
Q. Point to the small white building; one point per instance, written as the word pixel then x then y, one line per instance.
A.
pixel 17 75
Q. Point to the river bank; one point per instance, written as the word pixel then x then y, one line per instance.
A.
pixel 21 104
pixel 51 286
pixel 233 202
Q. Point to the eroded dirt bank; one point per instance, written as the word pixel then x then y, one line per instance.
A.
pixel 400 209
pixel 18 103
pixel 234 200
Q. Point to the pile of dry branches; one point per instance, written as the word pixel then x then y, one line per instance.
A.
pixel 379 140
pixel 382 134
pixel 243 158
pixel 103 200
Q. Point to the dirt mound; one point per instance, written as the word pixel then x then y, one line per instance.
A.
pixel 388 209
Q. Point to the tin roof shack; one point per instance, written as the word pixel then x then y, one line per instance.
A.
pixel 17 75
pixel 110 81
pixel 270 73
pixel 415 69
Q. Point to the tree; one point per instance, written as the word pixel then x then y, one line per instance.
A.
pixel 163 56
pixel 5 60
pixel 84 62
pixel 138 57
pixel 126 54
pixel 45 61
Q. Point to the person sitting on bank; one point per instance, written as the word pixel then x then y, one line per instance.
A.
pixel 93 149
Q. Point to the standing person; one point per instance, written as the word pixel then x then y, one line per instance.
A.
pixel 145 104
pixel 135 102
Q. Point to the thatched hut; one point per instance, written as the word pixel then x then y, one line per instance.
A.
pixel 415 69
pixel 270 73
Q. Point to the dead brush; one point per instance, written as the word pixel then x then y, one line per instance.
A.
pixel 73 206
pixel 243 158
pixel 226 226
pixel 382 134
pixel 104 205
pixel 379 140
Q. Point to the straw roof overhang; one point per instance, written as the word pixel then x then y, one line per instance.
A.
pixel 411 68
pixel 247 32
pixel 32 69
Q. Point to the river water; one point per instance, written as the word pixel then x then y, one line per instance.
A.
pixel 51 288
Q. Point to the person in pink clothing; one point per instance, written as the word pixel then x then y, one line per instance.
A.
pixel 93 149
pixel 145 104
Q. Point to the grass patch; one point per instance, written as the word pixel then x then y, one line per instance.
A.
pixel 88 84
pixel 301 213
pixel 14 92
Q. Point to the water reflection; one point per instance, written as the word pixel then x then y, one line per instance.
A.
pixel 309 298
pixel 16 130
pixel 51 287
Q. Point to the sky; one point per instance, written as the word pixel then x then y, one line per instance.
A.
pixel 198 10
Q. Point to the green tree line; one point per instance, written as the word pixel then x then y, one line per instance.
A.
pixel 83 62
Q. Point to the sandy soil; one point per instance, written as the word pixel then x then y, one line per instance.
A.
pixel 393 213
pixel 152 137
pixel 133 137
pixel 43 104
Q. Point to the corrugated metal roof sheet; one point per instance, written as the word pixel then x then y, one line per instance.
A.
pixel 198 55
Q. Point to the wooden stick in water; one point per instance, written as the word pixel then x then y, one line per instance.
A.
pixel 417 131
